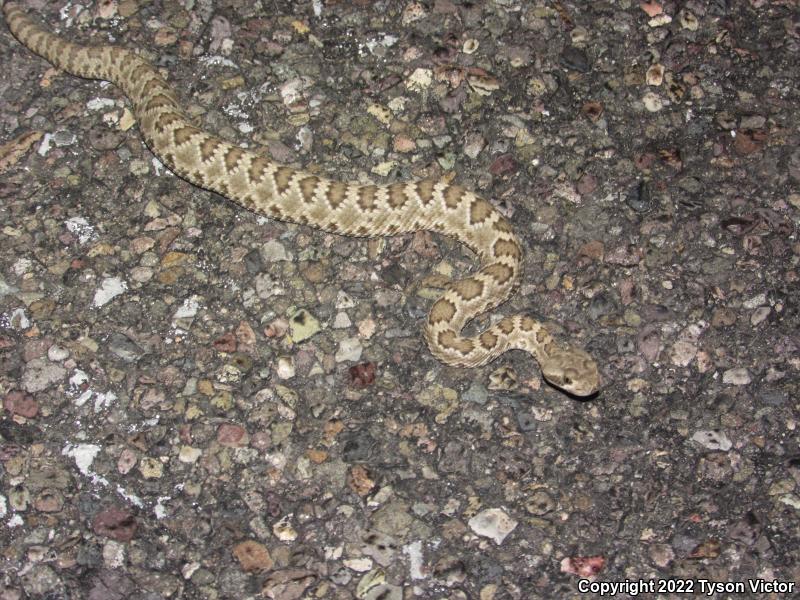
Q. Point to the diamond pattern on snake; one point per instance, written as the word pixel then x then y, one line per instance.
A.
pixel 260 185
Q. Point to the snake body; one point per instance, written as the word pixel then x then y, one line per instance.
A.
pixel 260 185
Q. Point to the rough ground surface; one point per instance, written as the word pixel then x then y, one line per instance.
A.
pixel 201 403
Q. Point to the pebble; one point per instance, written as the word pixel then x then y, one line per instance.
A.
pixel 660 20
pixel 661 555
pixel 419 80
pixel 753 122
pixel 303 325
pixel 685 348
pixel 483 83
pixel 683 353
pixel 349 350
pixel 540 503
pixel 287 584
pixel 110 288
pixel 285 368
pixel 579 35
pixel 343 300
pixel 253 556
pixel 231 435
pixel 151 468
pixel 20 403
pixel 740 376
pixel 188 309
pixel 268 286
pixel 367 328
pixel 19 320
pixel 474 144
pixel 404 144
pixel 383 114
pixel 655 75
pixel 576 59
pixel 127 120
pixel 113 554
pixel 40 374
pixel 688 20
pixel 101 103
pixel 123 347
pixel 476 393
pixel 713 439
pixel 755 301
pixel 493 523
pixel 380 547
pixel 652 102
pixel 64 138
pixel 413 11
pixel 274 251
pixel 341 321
pixel 760 315
pixel 373 580
pixel 385 591
pixel 360 565
pixel 283 529
pixel 115 523
pixel 470 46
pixel 189 455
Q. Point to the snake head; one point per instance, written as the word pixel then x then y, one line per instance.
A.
pixel 572 370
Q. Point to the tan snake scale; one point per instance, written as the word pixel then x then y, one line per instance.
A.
pixel 283 193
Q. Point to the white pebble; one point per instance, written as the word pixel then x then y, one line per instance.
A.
pixel 713 439
pixel 652 102
pixel 341 321
pixel 350 349
pixel 740 376
pixel 285 368
pixel 493 523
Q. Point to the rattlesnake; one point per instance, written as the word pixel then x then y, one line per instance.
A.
pixel 283 193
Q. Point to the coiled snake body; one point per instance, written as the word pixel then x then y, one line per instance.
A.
pixel 263 186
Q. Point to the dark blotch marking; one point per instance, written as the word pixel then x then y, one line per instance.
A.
pixel 468 289
pixel 479 211
pixel 442 311
pixel 232 158
pixel 366 197
pixel 488 340
pixel 283 179
pixel 208 148
pixel 397 195
pixel 506 325
pixel 499 272
pixel 453 195
pixel 164 121
pixel 449 339
pixel 336 194
pixel 502 225
pixel 152 86
pixel 159 101
pixel 507 248
pixel 425 190
pixel 183 135
pixel 258 168
pixel 307 187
